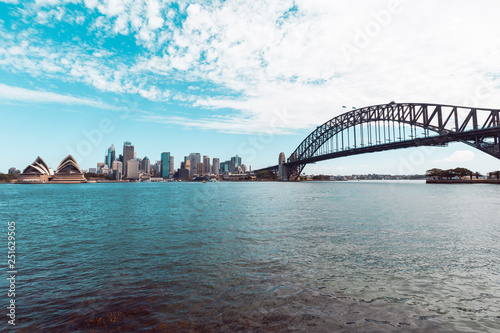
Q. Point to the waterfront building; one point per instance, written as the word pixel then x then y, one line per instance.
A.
pixel 128 154
pixel 117 174
pixel 194 159
pixel 92 170
pixel 206 165
pixel 183 173
pixel 68 171
pixel 146 165
pixel 165 165
pixel 243 168
pixel 110 156
pixel 215 166
pixel 36 172
pixel 171 165
pixel 132 169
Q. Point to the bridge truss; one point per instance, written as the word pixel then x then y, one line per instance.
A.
pixel 394 126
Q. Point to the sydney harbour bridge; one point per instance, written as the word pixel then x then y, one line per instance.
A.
pixel 394 126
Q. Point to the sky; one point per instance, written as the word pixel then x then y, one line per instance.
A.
pixel 225 78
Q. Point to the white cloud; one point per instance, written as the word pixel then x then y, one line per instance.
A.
pixel 11 93
pixel 260 56
pixel 235 125
pixel 458 156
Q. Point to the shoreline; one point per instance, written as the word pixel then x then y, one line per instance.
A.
pixel 462 181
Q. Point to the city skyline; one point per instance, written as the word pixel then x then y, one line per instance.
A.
pixel 254 81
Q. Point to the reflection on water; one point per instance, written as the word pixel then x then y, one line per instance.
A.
pixel 360 256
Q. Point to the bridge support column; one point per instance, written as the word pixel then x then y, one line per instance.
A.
pixel 283 171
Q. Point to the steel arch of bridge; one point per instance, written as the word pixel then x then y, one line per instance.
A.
pixel 477 127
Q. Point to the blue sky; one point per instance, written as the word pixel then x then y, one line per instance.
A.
pixel 222 78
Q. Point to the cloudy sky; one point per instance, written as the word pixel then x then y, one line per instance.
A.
pixel 222 78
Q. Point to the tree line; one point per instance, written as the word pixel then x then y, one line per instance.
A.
pixel 457 172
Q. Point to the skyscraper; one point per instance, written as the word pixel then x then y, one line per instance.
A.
pixel 194 159
pixel 146 165
pixel 158 169
pixel 165 164
pixel 236 160
pixel 128 154
pixel 215 166
pixel 133 169
pixel 206 165
pixel 200 169
pixel 224 166
pixel 110 156
pixel 171 165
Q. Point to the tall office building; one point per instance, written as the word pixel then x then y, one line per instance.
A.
pixel 128 154
pixel 236 160
pixel 117 165
pixel 215 166
pixel 206 165
pixel 117 170
pixel 200 169
pixel 146 165
pixel 224 166
pixel 133 169
pixel 171 165
pixel 110 156
pixel 184 171
pixel 158 169
pixel 194 159
pixel 165 165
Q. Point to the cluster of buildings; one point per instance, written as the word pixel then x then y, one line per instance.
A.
pixel 127 165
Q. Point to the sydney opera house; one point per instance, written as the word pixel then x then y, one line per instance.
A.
pixel 68 172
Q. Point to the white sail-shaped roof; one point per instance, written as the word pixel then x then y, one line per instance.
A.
pixel 68 166
pixel 38 166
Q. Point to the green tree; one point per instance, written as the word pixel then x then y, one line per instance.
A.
pixel 435 172
pixel 462 172
pixel 266 174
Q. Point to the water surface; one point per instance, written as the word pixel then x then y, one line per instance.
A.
pixel 315 256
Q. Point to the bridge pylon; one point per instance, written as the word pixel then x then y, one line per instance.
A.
pixel 283 170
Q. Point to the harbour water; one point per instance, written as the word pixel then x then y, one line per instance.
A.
pixel 282 257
